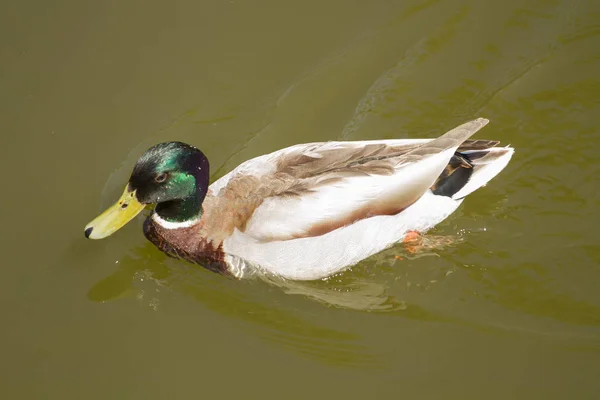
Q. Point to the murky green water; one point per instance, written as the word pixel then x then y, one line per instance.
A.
pixel 508 308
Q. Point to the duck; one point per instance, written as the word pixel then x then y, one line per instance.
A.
pixel 304 212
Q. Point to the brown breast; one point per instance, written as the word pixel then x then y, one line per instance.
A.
pixel 187 244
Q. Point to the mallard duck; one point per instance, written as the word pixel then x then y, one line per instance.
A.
pixel 304 212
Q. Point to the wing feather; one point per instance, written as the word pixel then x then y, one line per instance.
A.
pixel 327 186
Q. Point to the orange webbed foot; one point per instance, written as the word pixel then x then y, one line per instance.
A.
pixel 413 241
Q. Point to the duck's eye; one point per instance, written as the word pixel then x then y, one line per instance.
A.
pixel 160 178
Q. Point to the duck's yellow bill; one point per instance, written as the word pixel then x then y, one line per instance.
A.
pixel 114 217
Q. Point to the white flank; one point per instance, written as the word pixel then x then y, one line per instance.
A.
pixel 289 217
pixel 321 256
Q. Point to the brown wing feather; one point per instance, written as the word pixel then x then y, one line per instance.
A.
pixel 317 161
pixel 477 145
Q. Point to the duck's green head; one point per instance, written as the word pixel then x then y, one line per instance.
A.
pixel 173 175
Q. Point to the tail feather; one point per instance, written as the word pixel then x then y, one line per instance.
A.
pixel 453 139
pixel 473 165
pixel 486 165
pixel 477 144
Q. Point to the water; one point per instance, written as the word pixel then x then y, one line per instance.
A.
pixel 504 304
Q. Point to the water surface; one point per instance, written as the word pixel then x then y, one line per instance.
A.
pixel 504 304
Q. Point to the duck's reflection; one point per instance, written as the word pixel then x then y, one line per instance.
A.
pixel 259 302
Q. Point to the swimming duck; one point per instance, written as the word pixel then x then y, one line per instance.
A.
pixel 304 212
